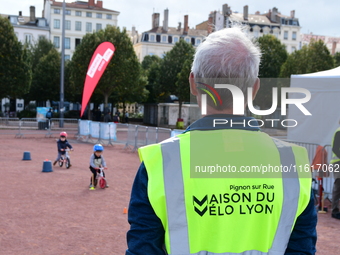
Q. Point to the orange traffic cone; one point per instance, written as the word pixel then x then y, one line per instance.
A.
pixel 125 210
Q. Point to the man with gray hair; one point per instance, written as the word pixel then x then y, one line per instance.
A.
pixel 222 188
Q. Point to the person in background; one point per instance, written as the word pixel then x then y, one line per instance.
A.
pixel 335 162
pixel 49 116
pixel 107 117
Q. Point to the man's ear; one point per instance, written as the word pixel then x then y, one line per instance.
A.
pixel 193 88
pixel 256 87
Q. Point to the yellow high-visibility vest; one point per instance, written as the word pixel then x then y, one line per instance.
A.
pixel 234 213
pixel 335 158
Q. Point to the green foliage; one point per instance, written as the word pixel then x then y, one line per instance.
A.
pixel 26 114
pixel 274 54
pixel 123 78
pixel 337 59
pixel 312 58
pixel 15 72
pixel 39 50
pixel 152 69
pixel 46 77
pixel 172 65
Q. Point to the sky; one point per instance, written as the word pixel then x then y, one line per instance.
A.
pixel 320 17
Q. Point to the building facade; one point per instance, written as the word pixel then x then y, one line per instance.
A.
pixel 29 29
pixel 283 27
pixel 332 43
pixel 81 17
pixel 161 39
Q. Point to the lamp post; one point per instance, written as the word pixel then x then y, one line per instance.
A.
pixel 61 104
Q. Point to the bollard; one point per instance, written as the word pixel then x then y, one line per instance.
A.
pixel 27 155
pixel 47 166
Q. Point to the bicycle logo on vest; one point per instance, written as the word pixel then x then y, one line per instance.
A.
pixel 238 203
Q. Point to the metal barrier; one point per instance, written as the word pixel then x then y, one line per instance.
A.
pixel 132 136
pixel 310 147
pixel 57 125
pixel 8 122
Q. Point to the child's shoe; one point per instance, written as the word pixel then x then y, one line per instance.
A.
pixel 91 187
pixel 106 186
pixel 55 162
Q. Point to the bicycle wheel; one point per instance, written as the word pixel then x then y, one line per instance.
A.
pixel 102 183
pixel 67 163
pixel 61 162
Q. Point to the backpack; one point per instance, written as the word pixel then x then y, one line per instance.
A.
pixel 49 115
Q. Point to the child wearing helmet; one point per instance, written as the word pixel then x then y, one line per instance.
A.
pixel 62 144
pixel 96 161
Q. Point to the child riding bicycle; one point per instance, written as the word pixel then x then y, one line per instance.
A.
pixel 62 144
pixel 96 161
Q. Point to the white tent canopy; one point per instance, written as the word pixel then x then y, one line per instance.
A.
pixel 324 106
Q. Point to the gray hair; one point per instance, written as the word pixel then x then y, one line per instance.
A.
pixel 227 56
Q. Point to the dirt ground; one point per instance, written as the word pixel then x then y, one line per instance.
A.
pixel 54 213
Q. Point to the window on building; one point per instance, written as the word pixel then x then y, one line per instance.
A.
pixel 67 12
pixel 164 38
pixel 28 38
pixel 56 41
pixel 67 24
pixel 77 42
pixel 56 11
pixel 98 26
pixel 169 39
pixel 67 57
pixel 67 43
pixel 152 38
pixel 78 13
pixel 175 39
pixel 187 40
pixel 198 41
pixel 256 33
pixel 293 48
pixel 294 36
pixel 78 25
pixel 17 35
pixel 89 27
pixel 98 15
pixel 41 37
pixel 158 38
pixel 89 14
pixel 56 24
pixel 285 35
pixel 108 16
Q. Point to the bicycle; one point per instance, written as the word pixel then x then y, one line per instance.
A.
pixel 100 178
pixel 65 159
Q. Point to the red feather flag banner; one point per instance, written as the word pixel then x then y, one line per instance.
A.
pixel 100 59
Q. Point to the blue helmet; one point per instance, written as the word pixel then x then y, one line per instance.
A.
pixel 98 147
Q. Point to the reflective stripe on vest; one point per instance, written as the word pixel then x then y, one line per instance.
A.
pixel 176 209
pixel 334 157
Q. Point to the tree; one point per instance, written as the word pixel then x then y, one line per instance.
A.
pixel 15 72
pixel 336 59
pixel 37 51
pixel 152 69
pixel 311 58
pixel 46 77
pixel 274 55
pixel 123 74
pixel 173 64
pixel 41 48
pixel 183 86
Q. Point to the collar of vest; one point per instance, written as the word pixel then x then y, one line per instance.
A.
pixel 225 121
